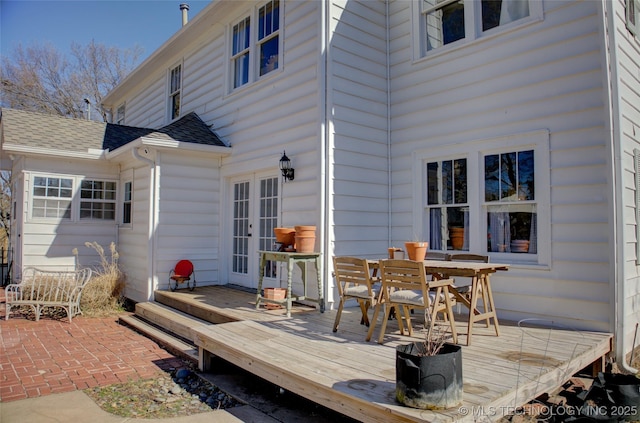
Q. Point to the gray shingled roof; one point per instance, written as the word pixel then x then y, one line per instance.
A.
pixel 38 130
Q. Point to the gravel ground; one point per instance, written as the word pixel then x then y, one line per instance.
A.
pixel 180 393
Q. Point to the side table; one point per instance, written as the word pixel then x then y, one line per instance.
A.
pixel 291 258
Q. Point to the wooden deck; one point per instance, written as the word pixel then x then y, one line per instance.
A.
pixel 356 378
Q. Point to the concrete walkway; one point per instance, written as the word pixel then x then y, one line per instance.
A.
pixel 77 407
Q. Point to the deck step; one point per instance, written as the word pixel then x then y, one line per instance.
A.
pixel 194 307
pixel 168 341
pixel 169 319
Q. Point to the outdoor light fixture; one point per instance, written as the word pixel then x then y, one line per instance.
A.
pixel 285 167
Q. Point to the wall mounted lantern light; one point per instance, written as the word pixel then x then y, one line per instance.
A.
pixel 285 167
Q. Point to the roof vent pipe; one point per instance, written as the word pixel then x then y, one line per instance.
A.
pixel 185 13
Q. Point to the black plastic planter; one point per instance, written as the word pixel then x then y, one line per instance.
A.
pixel 613 397
pixel 429 382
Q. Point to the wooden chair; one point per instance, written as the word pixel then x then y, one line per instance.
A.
pixel 436 255
pixel 354 281
pixel 405 287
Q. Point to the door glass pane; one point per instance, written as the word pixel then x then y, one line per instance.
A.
pixel 268 220
pixel 240 227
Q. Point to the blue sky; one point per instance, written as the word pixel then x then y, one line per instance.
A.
pixel 123 24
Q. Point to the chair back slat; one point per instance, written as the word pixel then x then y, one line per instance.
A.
pixel 436 255
pixel 470 257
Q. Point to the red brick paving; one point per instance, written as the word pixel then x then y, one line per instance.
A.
pixel 53 356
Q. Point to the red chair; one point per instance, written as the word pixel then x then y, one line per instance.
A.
pixel 182 273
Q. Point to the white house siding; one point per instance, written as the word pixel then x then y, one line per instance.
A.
pixel 627 52
pixel 49 243
pixel 188 224
pixel 278 113
pixel 133 240
pixel 544 75
pixel 260 120
pixel 358 137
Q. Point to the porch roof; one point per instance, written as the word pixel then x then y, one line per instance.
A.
pixel 29 130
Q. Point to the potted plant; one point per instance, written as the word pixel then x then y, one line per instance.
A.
pixel 429 372
pixel 416 250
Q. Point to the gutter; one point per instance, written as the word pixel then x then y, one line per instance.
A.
pixel 168 145
pixel 153 218
pixel 618 276
pixel 91 153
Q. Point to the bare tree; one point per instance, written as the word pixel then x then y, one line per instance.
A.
pixel 40 79
pixel 5 208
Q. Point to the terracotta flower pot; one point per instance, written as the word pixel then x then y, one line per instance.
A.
pixel 416 250
pixel 285 236
pixel 275 293
pixel 457 237
pixel 305 239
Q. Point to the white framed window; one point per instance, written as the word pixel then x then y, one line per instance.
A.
pixel 120 115
pixel 127 202
pixel 447 204
pixel 446 22
pixel 72 198
pixel 632 14
pixel 487 196
pixel 97 200
pixel 255 49
pixel 175 91
pixel 52 197
pixel 510 202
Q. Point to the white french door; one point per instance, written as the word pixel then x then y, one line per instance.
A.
pixel 254 202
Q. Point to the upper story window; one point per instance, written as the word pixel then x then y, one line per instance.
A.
pixel 268 28
pixel 240 53
pixel 175 85
pixel 98 200
pixel 443 22
pixel 52 197
pixel 632 13
pixel 120 115
pixel 255 49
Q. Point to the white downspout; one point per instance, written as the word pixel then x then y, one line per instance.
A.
pixel 325 167
pixel 388 71
pixel 618 276
pixel 153 193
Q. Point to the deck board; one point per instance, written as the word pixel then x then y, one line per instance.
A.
pixel 357 378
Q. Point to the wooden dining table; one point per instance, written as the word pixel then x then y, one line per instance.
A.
pixel 480 288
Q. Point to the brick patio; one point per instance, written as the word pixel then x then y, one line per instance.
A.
pixel 53 356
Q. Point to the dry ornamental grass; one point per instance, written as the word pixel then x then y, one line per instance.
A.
pixel 103 294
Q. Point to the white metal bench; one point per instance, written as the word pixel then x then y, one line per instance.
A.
pixel 43 288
